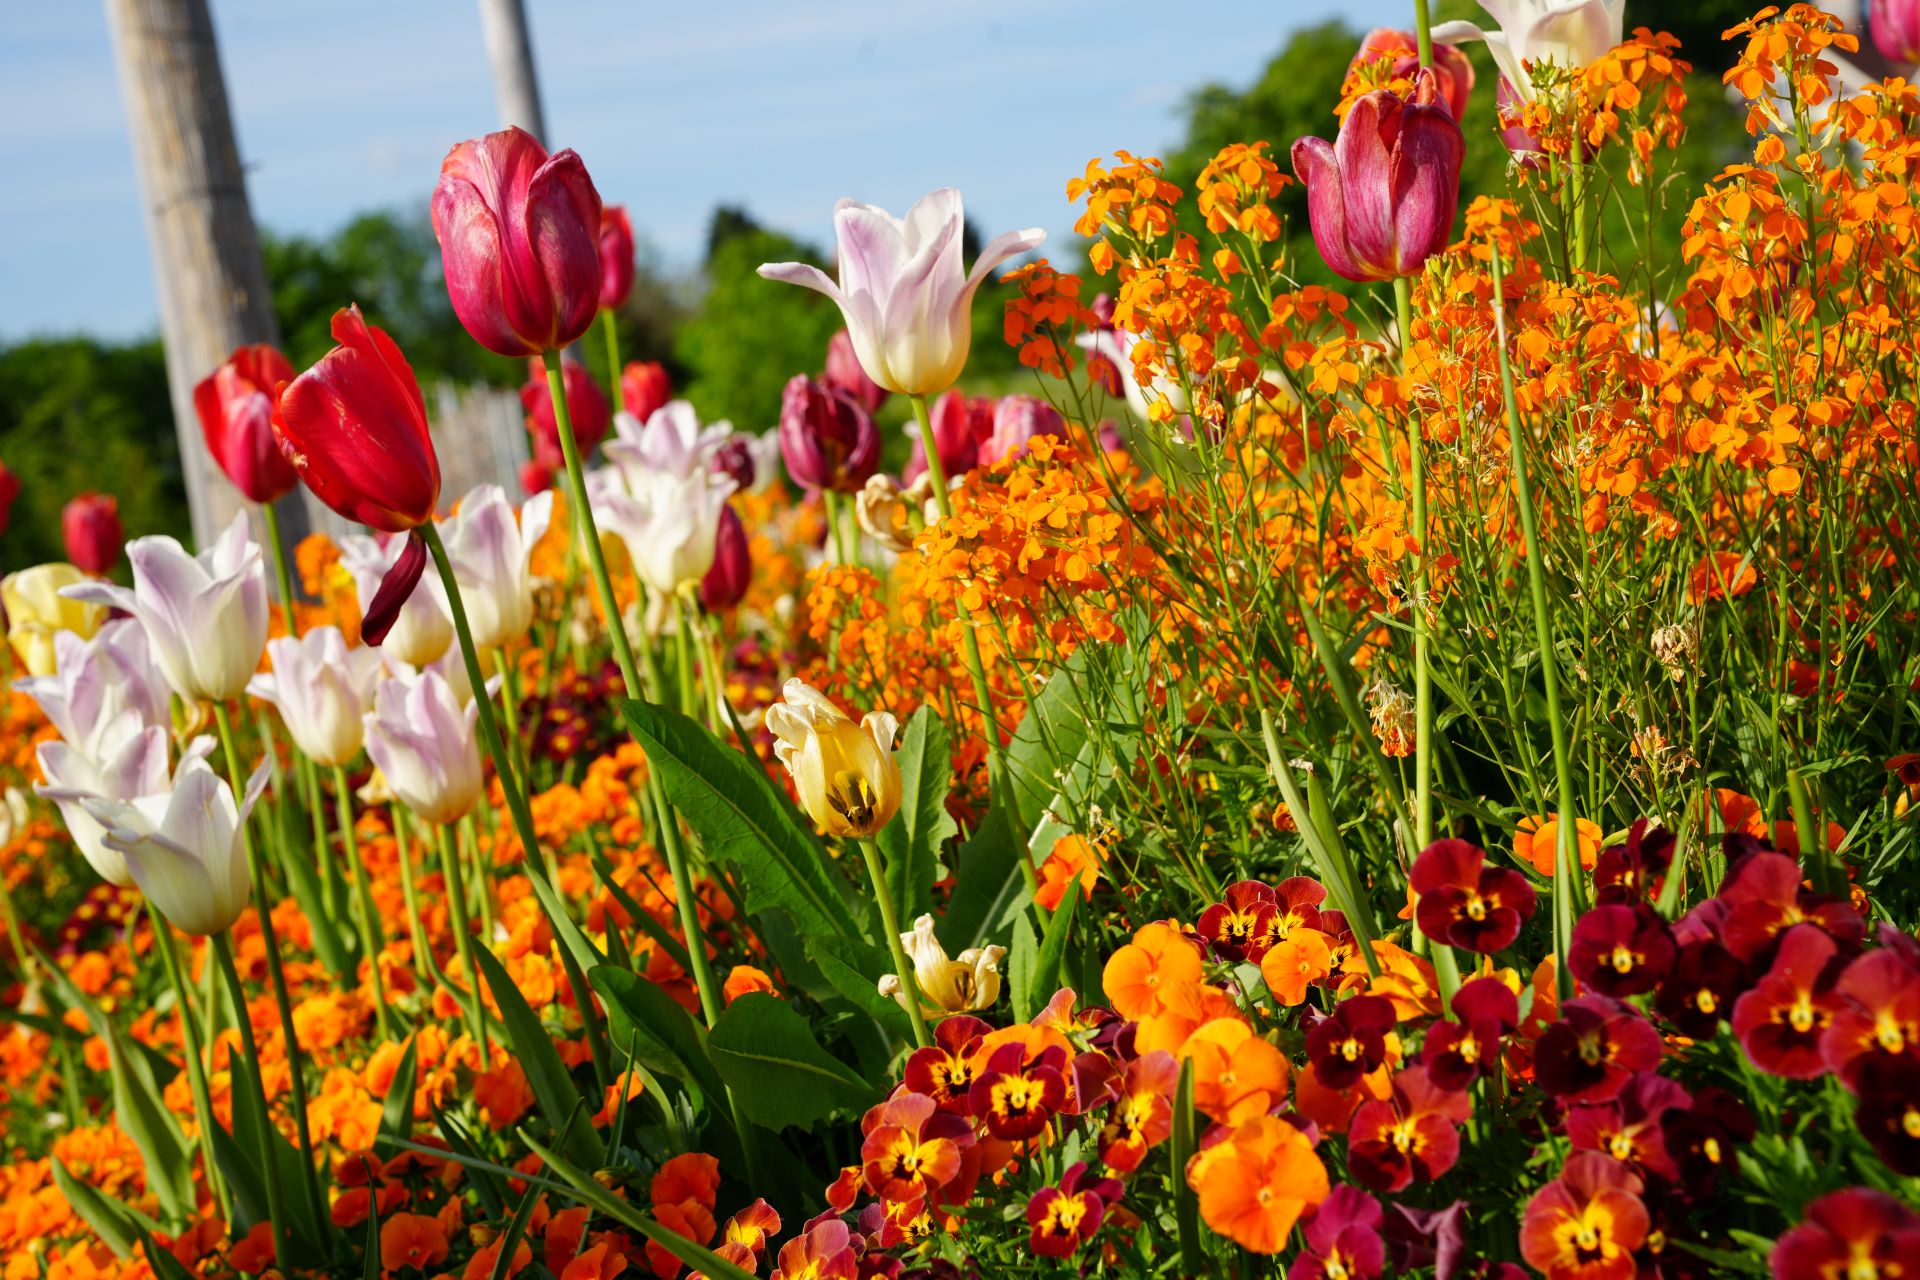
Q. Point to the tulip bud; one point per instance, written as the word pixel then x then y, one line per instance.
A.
pixel 961 424
pixel 734 460
pixel 9 490
pixel 91 525
pixel 587 409
pixel 421 737
pixel 845 374
pixel 731 574
pixel 644 389
pixel 616 255
pixel 38 610
pixel 235 403
pixel 1016 421
pixel 1382 199
pixel 184 846
pixel 322 689
pixel 1400 49
pixel 519 236
pixel 827 440
pixel 536 476
pixel 844 773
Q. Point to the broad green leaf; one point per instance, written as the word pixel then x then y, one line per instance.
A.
pixel 107 1216
pixel 911 842
pixel 988 885
pixel 396 1113
pixel 741 821
pixel 259 1138
pixel 1046 977
pixel 1023 960
pixel 778 1071
pixel 854 968
pixel 547 1076
pixel 163 1148
pixel 664 1036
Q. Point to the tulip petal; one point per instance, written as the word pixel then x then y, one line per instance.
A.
pixel 395 590
pixel 562 238
pixel 1008 244
pixel 1316 165
pixel 1365 150
pixel 803 274
pixel 1425 184
pixel 874 249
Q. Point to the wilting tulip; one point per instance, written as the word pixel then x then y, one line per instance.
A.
pixel 9 490
pixel 827 440
pixel 1568 33
pixel 671 442
pixel 587 409
pixel 133 767
pixel 644 389
pixel 322 689
pixel 843 373
pixel 421 631
pixel 1401 50
pixel 1016 421
pixel 669 524
pixel 38 609
pixel 420 735
pixel 102 690
pixel 519 236
pixel 205 616
pixel 906 297
pixel 960 985
pixel 183 846
pixel 90 524
pixel 844 772
pixel 1382 198
pixel 884 511
pixel 235 403
pixel 731 573
pixel 491 555
pixel 616 256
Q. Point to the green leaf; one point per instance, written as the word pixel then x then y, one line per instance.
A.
pixel 1023 960
pixel 107 1216
pixel 137 1110
pixel 503 1261
pixel 741 821
pixel 329 941
pixel 256 1136
pixel 1046 976
pixel 547 1076
pixel 854 966
pixel 988 886
pixel 396 1113
pixel 779 1074
pixel 663 1036
pixel 912 841
pixel 487 1184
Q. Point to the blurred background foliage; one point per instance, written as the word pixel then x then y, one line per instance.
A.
pixel 77 413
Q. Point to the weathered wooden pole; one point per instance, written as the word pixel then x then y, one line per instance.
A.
pixel 211 279
pixel 510 48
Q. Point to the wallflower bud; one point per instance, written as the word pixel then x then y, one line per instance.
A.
pixel 519 234
pixel 38 609
pixel 844 772
pixel 235 404
pixel 843 373
pixel 644 389
pixel 616 255
pixel 827 440
pixel 731 573
pixel 587 409
pixel 91 525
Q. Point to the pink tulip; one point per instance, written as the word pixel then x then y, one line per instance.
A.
pixel 961 425
pixel 1450 66
pixel 91 524
pixel 1895 27
pixel 1382 198
pixel 731 573
pixel 644 389
pixel 616 255
pixel 1016 421
pixel 845 374
pixel 586 408
pixel 826 438
pixel 519 234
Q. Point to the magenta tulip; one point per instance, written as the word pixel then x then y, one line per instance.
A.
pixel 235 403
pixel 1382 197
pixel 519 234
pixel 961 425
pixel 826 438
pixel 1895 27
pixel 91 524
pixel 1016 421
pixel 731 573
pixel 845 374
pixel 586 406
pixel 616 255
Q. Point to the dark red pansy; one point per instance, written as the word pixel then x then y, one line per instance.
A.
pixel 1465 903
pixel 1700 989
pixel 1631 872
pixel 1858 1234
pixel 1628 1128
pixel 944 1069
pixel 1593 1050
pixel 1412 1134
pixel 1878 1014
pixel 1702 1139
pixel 1351 1041
pixel 1236 927
pixel 1062 1218
pixel 1765 898
pixel 1781 1021
pixel 1620 951
pixel 1888 1109
pixel 1456 1053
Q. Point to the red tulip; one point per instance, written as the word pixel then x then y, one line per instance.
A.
pixel 731 574
pixel 235 403
pixel 355 428
pixel 586 407
pixel 616 255
pixel 844 373
pixel 9 490
pixel 91 524
pixel 1401 49
pixel 535 477
pixel 644 388
pixel 1382 198
pixel 519 239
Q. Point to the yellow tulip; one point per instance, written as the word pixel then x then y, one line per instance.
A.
pixel 958 985
pixel 844 772
pixel 36 612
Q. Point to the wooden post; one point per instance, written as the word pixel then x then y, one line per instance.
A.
pixel 211 279
pixel 510 48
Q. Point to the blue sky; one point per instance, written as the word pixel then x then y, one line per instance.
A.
pixel 781 107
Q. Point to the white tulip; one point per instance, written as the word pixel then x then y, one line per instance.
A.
pixel 423 631
pixel 1570 34
pixel 672 441
pixel 102 690
pixel 128 770
pixel 490 554
pixel 322 689
pixel 421 735
pixel 668 523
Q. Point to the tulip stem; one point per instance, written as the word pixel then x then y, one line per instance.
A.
pixel 269 1167
pixel 611 331
pixel 269 936
pixel 416 931
pixel 370 941
pixel 163 942
pixel 890 921
pixel 277 541
pixel 1423 34
pixel 1002 788
pixel 588 534
pixel 1564 859
pixel 469 1000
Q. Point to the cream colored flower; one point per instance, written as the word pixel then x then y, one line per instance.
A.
pixel 960 985
pixel 844 772
pixel 36 612
pixel 883 512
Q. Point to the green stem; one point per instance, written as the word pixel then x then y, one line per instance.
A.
pixel 277 541
pixel 369 917
pixel 611 331
pixel 163 942
pixel 683 661
pixel 1565 856
pixel 222 943
pixel 588 534
pixel 836 531
pixel 296 1059
pixel 1423 32
pixel 416 931
pixel 462 940
pixel 483 875
pixel 890 921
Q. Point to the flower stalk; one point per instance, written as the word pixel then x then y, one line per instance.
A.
pixel 369 915
pixel 890 922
